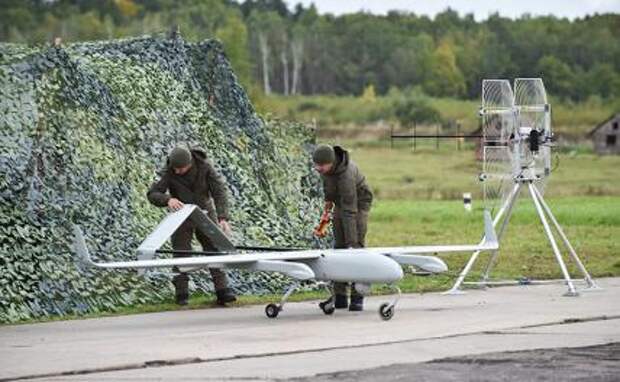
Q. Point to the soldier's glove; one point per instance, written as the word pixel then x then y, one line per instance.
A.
pixel 321 230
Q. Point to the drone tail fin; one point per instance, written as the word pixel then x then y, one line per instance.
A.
pixel 79 245
pixel 490 238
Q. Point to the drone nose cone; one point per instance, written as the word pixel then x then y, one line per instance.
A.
pixel 394 272
pixel 384 269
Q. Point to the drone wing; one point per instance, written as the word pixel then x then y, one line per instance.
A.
pixel 148 248
pixel 281 262
pixel 291 262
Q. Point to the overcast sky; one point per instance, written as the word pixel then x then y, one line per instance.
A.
pixel 480 8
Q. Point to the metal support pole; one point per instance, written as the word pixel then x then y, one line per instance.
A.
pixel 554 245
pixel 457 284
pixel 398 294
pixel 582 268
pixel 512 200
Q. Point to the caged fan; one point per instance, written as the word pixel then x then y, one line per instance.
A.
pixel 517 143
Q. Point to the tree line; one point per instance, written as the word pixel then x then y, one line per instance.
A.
pixel 299 51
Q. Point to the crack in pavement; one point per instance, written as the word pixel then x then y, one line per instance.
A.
pixel 198 360
pixel 568 321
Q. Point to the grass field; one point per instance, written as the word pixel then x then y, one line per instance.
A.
pixel 591 223
pixel 352 116
pixel 401 174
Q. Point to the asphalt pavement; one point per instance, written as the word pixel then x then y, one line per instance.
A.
pixel 431 336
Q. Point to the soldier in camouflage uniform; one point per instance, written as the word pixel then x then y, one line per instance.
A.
pixel 190 178
pixel 347 192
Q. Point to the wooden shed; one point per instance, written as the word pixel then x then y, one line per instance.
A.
pixel 606 136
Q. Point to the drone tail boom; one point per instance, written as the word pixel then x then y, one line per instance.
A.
pixel 430 264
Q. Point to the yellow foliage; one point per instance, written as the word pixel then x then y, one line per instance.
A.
pixel 369 94
pixel 127 7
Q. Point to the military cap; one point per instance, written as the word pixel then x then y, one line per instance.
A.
pixel 179 157
pixel 324 154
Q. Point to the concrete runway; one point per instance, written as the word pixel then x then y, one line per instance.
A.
pixel 242 344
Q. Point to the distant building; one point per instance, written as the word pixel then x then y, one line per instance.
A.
pixel 606 136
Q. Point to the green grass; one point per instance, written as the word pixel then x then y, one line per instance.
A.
pixel 196 301
pixel 591 223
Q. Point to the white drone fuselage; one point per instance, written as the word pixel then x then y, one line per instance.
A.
pixel 344 265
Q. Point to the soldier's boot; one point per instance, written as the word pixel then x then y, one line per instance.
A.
pixel 340 296
pixel 357 303
pixel 341 301
pixel 223 293
pixel 329 301
pixel 224 296
pixel 181 289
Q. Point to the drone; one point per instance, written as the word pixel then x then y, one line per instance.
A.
pixel 362 266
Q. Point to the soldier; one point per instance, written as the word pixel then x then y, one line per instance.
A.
pixel 190 178
pixel 348 194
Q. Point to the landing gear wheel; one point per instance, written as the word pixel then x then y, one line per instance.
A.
pixel 272 310
pixel 386 311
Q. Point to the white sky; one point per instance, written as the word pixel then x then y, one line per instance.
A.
pixel 480 8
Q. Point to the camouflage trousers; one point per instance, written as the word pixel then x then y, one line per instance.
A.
pixel 182 240
pixel 361 220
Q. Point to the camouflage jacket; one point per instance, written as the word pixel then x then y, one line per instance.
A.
pixel 346 187
pixel 201 185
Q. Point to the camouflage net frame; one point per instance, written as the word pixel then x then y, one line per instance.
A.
pixel 84 129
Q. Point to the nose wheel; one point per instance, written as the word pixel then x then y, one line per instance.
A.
pixel 387 309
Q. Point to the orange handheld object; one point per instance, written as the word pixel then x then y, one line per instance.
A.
pixel 321 229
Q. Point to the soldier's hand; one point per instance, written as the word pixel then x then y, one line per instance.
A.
pixel 328 206
pixel 225 227
pixel 320 231
pixel 175 204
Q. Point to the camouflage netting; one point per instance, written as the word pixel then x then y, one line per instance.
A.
pixel 84 129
